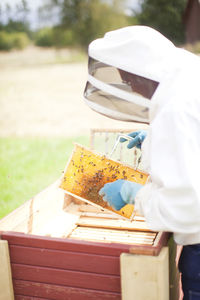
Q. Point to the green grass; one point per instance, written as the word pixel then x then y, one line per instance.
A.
pixel 28 165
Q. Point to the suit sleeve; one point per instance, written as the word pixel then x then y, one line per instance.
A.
pixel 171 200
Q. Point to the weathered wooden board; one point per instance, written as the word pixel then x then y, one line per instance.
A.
pixel 151 284
pixel 85 246
pixel 115 236
pixel 16 238
pixel 55 292
pixel 82 267
pixel 22 297
pixel 34 214
pixel 174 275
pixel 6 287
pixel 93 211
pixel 153 250
pixel 117 224
pixel 66 277
pixel 67 260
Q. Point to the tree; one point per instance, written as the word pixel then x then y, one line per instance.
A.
pixel 89 19
pixel 22 11
pixel 165 16
pixel 15 17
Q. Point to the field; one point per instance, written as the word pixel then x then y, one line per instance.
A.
pixel 42 113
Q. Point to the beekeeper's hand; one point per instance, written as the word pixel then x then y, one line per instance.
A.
pixel 138 138
pixel 119 193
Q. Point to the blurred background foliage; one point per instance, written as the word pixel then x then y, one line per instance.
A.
pixel 165 16
pixel 76 23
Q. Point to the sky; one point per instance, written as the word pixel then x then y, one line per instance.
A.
pixel 34 4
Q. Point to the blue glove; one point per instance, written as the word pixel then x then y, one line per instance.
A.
pixel 119 193
pixel 138 136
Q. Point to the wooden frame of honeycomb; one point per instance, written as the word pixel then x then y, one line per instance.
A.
pixel 87 172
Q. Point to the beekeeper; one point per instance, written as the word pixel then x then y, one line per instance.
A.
pixel 138 75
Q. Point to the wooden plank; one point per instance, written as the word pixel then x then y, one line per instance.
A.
pixel 18 219
pixel 22 297
pixel 16 238
pixel 99 215
pixel 153 284
pixel 111 235
pixel 6 288
pixel 67 244
pixel 67 260
pixel 35 213
pixel 116 232
pixel 118 224
pixel 107 216
pixel 58 292
pixel 154 250
pixel 174 275
pixel 59 225
pixel 110 239
pixel 66 277
pixel 88 210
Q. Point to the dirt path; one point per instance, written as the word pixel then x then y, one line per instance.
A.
pixel 47 100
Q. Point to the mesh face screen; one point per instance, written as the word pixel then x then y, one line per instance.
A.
pixel 118 94
pixel 129 82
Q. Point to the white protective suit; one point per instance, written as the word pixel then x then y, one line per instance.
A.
pixel 171 150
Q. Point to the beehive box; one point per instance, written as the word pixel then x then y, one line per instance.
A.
pixel 58 253
pixel 87 172
pixel 64 249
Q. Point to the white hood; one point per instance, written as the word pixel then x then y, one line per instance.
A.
pixel 137 50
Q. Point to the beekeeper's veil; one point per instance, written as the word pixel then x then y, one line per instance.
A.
pixel 125 68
